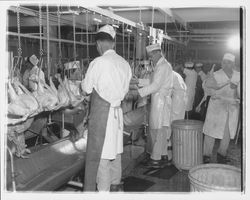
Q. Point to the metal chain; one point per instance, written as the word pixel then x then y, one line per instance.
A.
pixel 48 43
pixel 40 30
pixel 59 34
pixel 74 36
pixel 19 49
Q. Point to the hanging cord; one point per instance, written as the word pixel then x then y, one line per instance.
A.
pixel 87 35
pixel 59 36
pixel 128 46
pixel 19 49
pixel 165 31
pixel 115 36
pixel 140 38
pixel 74 36
pixel 48 44
pixel 123 41
pixel 40 39
pixel 153 14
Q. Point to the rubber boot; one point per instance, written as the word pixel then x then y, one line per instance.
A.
pixel 116 187
pixel 222 159
pixel 206 159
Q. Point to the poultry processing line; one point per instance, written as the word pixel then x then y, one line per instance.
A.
pixel 28 105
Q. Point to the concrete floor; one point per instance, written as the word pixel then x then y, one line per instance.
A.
pixel 179 183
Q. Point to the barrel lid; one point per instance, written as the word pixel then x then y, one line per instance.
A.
pixel 187 123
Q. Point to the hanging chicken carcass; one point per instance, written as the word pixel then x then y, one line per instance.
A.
pixel 74 95
pixel 45 96
pixel 22 102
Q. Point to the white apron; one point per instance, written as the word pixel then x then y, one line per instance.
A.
pixel 160 89
pixel 110 75
pixel 223 104
pixel 190 80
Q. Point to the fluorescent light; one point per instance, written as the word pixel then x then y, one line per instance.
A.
pixel 116 26
pixel 234 42
pixel 97 20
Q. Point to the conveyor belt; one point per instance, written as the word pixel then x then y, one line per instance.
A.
pixel 48 168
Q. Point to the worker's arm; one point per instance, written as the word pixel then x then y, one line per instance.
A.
pixel 159 78
pixel 88 83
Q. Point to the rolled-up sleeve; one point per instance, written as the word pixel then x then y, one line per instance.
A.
pixel 88 82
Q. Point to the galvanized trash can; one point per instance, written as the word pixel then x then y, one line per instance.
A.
pixel 214 177
pixel 187 140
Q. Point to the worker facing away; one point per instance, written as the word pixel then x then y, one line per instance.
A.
pixel 160 89
pixel 223 109
pixel 107 80
pixel 190 80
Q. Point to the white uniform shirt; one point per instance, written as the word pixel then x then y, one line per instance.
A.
pixel 179 98
pixel 160 89
pixel 190 80
pixel 110 75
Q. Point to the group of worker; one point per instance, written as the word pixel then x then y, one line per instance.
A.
pixel 107 80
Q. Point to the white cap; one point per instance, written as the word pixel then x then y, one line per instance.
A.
pixel 153 47
pixel 33 59
pixel 145 62
pixel 189 64
pixel 107 29
pixel 229 56
pixel 198 65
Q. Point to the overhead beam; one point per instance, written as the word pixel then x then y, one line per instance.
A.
pixel 111 15
pixel 129 9
pixel 32 18
pixel 172 15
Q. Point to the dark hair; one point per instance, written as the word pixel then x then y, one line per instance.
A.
pixel 28 62
pixel 103 36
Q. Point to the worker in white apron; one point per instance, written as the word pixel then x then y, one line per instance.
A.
pixel 223 109
pixel 107 80
pixel 34 74
pixel 160 90
pixel 190 80
pixel 179 101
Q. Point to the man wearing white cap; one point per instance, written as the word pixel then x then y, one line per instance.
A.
pixel 190 80
pixel 107 80
pixel 160 90
pixel 35 74
pixel 223 109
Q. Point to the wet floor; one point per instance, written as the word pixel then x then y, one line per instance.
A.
pixel 139 179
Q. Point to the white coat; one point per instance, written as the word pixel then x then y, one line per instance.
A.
pixel 179 97
pixel 223 103
pixel 110 75
pixel 160 89
pixel 190 80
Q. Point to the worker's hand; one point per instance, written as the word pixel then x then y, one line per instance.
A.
pixel 198 109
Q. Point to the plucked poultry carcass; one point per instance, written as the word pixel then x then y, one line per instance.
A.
pixel 74 95
pixel 45 96
pixel 22 103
